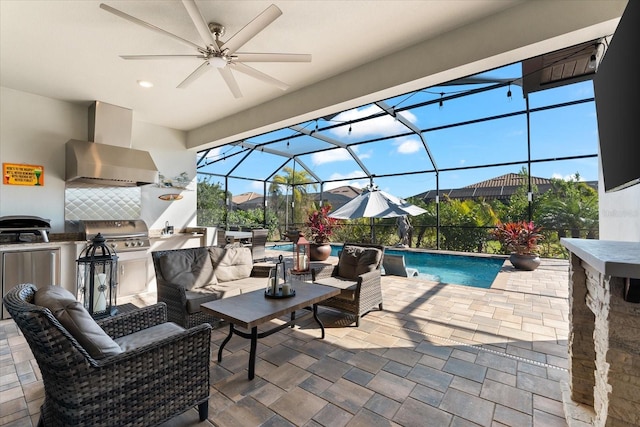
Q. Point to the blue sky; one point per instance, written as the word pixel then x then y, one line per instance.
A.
pixel 569 131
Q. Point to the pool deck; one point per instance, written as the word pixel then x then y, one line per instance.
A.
pixel 454 355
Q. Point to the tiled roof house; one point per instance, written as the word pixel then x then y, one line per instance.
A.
pixel 501 188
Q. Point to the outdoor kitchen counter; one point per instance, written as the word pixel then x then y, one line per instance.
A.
pixel 605 323
pixel 25 246
pixel 612 258
pixel 176 241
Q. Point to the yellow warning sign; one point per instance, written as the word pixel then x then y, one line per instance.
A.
pixel 21 174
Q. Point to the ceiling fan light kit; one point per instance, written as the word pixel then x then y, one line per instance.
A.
pixel 217 61
pixel 218 54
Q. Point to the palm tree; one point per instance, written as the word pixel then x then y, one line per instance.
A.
pixel 299 180
pixel 569 206
pixel 464 222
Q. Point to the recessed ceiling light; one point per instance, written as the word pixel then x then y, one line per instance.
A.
pixel 145 83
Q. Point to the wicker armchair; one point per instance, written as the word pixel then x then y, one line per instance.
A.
pixel 175 298
pixel 154 380
pixel 361 292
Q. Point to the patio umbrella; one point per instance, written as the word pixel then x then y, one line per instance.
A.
pixel 375 203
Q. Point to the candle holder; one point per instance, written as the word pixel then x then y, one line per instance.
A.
pixel 276 288
pixel 301 254
pixel 97 278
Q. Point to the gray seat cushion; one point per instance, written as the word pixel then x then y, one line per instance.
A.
pixel 223 290
pixel 337 282
pixel 148 336
pixel 77 321
pixel 200 296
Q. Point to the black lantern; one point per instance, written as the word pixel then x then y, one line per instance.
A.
pixel 97 278
pixel 301 258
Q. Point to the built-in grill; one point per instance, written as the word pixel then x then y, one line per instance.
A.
pixel 125 235
pixel 24 229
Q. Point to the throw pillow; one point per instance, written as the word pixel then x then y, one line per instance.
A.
pixel 348 262
pixel 77 321
pixel 231 263
pixel 357 260
pixel 190 268
pixel 369 260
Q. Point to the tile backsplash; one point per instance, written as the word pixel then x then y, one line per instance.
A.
pixel 88 202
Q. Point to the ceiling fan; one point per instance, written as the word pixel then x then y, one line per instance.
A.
pixel 219 54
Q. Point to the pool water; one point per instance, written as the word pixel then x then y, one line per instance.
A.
pixel 478 272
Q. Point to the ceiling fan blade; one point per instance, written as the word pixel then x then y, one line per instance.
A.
pixel 201 24
pixel 147 25
pixel 239 66
pixel 162 56
pixel 252 28
pixel 272 57
pixel 193 76
pixel 225 72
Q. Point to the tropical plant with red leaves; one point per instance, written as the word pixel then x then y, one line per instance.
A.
pixel 320 225
pixel 521 237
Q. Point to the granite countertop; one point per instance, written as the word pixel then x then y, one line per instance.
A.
pixel 613 258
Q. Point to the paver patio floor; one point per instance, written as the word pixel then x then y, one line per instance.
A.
pixel 437 355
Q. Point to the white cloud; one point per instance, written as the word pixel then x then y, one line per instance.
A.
pixel 381 126
pixel 214 153
pixel 407 145
pixel 258 186
pixel 330 156
pixel 346 179
pixel 337 155
pixel 570 177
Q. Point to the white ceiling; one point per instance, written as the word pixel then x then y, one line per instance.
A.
pixel 69 50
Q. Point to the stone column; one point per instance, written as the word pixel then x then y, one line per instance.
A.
pixel 581 326
pixel 617 343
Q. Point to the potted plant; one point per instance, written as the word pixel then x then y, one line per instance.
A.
pixel 321 228
pixel 521 239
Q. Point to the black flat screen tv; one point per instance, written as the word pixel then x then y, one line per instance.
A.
pixel 616 96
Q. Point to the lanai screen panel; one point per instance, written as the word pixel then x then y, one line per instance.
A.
pixel 451 180
pixel 564 131
pixel 335 164
pixel 393 156
pixel 363 124
pixel 238 162
pixel 484 143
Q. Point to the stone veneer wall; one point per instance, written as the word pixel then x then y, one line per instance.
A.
pixel 582 354
pixel 604 347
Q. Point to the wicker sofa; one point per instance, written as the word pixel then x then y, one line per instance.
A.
pixel 131 369
pixel 189 277
pixel 358 274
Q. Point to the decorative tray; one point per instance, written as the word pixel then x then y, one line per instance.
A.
pixel 279 294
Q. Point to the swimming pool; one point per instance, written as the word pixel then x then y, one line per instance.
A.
pixel 478 272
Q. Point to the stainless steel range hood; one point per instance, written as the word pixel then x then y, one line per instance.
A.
pixel 108 164
pixel 109 160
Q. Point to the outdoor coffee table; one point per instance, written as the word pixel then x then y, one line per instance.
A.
pixel 253 309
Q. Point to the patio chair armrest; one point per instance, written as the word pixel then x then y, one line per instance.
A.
pixel 133 321
pixel 324 272
pixel 185 347
pixel 370 278
pixel 170 293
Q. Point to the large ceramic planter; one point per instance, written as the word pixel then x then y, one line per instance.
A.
pixel 527 262
pixel 319 252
